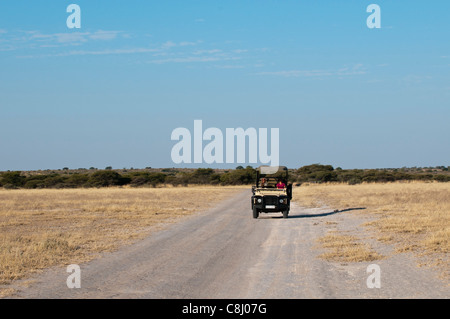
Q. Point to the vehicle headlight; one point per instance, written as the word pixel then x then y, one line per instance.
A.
pixel 259 200
pixel 281 200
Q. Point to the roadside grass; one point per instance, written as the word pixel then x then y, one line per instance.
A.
pixel 44 228
pixel 413 216
pixel 346 248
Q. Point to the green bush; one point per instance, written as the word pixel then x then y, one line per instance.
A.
pixel 245 176
pixel 315 173
pixel 55 181
pixel 12 179
pixel 144 178
pixel 33 184
pixel 308 169
pixel 37 181
pixel 10 186
pixel 354 181
pixel 78 180
pixel 442 178
pixel 105 178
pixel 201 176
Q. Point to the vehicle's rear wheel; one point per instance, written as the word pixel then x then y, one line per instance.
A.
pixel 255 212
pixel 285 213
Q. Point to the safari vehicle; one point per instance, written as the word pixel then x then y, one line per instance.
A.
pixel 268 197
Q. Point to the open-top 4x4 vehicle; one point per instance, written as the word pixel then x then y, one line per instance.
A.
pixel 272 193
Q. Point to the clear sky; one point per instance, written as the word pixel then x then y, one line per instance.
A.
pixel 111 93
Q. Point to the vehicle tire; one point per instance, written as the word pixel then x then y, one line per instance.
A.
pixel 255 212
pixel 285 213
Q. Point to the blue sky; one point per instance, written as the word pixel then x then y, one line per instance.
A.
pixel 111 93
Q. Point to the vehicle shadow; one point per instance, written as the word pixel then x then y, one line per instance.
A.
pixel 337 211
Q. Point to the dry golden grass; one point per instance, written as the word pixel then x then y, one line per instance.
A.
pixel 43 228
pixel 413 216
pixel 346 248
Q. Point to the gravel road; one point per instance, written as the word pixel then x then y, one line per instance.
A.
pixel 225 253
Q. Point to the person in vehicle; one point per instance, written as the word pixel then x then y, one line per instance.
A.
pixel 263 182
pixel 281 185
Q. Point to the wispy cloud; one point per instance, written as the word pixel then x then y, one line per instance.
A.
pixel 187 43
pixel 185 60
pixel 415 79
pixel 36 39
pixel 357 69
pixel 105 35
pixel 171 44
pixel 198 56
pixel 93 52
pixel 194 59
pixel 164 49
pixel 74 37
pixel 45 45
pixel 240 51
pixel 211 51
pixel 7 48
pixel 229 66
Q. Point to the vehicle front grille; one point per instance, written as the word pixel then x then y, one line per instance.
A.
pixel 270 200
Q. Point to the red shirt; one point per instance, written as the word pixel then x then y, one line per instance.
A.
pixel 281 185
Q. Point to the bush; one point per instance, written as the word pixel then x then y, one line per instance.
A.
pixel 37 181
pixel 78 180
pixel 140 179
pixel 308 169
pixel 10 186
pixel 239 177
pixel 442 178
pixel 12 179
pixel 325 176
pixel 354 181
pixel 316 173
pixel 201 176
pixel 105 178
pixel 174 180
pixel 33 184
pixel 55 181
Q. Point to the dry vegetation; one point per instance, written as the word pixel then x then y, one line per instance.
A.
pixel 42 228
pixel 413 216
pixel 346 248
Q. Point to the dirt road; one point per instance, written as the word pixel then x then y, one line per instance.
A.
pixel 225 253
